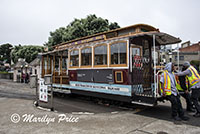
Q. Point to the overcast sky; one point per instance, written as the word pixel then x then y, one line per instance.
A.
pixel 28 22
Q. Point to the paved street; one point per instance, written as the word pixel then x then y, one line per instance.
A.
pixel 75 115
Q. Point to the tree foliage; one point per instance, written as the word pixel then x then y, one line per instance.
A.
pixel 80 28
pixel 196 63
pixel 29 53
pixel 5 50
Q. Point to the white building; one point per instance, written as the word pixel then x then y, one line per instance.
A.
pixel 35 67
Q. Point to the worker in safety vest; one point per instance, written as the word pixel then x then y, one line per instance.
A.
pixel 169 91
pixel 183 87
pixel 194 84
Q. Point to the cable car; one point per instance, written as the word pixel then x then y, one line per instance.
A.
pixel 119 64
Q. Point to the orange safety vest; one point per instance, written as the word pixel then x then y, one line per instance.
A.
pixel 167 84
pixel 194 78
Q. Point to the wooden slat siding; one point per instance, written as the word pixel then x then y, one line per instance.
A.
pixel 48 64
pixel 54 68
pixel 45 58
pixel 51 65
pixel 47 71
pixel 61 68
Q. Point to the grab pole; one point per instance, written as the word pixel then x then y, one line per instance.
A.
pixel 178 56
pixel 154 52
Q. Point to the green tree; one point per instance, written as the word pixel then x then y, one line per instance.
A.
pixel 80 28
pixel 195 63
pixel 5 50
pixel 29 53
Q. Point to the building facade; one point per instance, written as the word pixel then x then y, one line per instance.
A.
pixel 35 67
pixel 187 52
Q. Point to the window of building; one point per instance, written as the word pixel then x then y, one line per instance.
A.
pixel 74 58
pixel 180 58
pixel 100 55
pixel 31 72
pixel 35 71
pixel 86 56
pixel 118 51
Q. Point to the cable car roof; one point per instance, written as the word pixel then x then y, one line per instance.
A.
pixel 160 37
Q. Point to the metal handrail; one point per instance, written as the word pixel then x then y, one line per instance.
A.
pixel 157 83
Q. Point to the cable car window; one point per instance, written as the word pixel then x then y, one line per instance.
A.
pixel 56 63
pixel 136 56
pixel 45 63
pixel 118 52
pixel 49 63
pixel 156 56
pixel 136 51
pixel 86 56
pixel 74 58
pixel 100 55
pixel 64 63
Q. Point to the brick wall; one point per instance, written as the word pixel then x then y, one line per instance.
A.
pixel 192 48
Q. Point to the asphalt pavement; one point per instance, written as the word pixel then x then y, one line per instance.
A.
pixel 78 114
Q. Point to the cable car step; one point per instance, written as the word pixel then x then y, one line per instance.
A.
pixel 142 103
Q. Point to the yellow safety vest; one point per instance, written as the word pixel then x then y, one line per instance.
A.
pixel 194 78
pixel 167 84
pixel 178 84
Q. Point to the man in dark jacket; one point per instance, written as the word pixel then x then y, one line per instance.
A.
pixel 183 88
pixel 194 83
